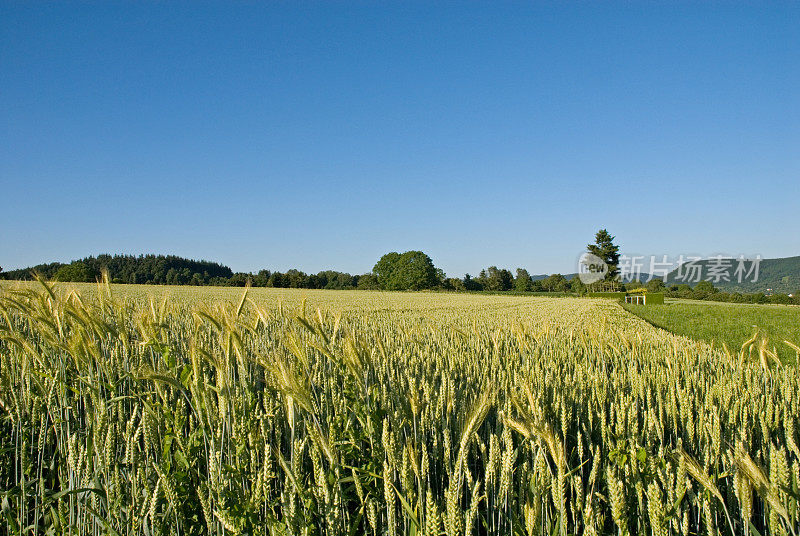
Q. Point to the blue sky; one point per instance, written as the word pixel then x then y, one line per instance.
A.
pixel 323 134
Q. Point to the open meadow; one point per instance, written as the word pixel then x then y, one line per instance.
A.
pixel 730 324
pixel 179 410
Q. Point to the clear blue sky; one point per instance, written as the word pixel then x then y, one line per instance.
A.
pixel 323 134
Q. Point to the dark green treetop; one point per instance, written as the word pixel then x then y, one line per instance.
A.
pixel 412 270
pixel 605 248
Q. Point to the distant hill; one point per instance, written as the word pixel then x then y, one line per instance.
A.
pixel 779 275
pixel 158 269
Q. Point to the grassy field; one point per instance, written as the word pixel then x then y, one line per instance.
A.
pixel 177 410
pixel 728 323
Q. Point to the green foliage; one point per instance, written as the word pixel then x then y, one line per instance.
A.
pixel 605 248
pixel 172 270
pixel 577 286
pixel 368 282
pixel 471 284
pixel 76 271
pixel 655 285
pixel 384 270
pixel 632 284
pixel 495 279
pixel 412 270
pixel 523 281
pixel 155 269
pixel 704 286
pixel 555 283
pixel 454 283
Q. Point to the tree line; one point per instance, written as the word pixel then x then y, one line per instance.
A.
pixel 411 270
pixel 173 270
pixel 153 269
pixel 705 290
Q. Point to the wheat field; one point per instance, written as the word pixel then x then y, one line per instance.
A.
pixel 144 410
